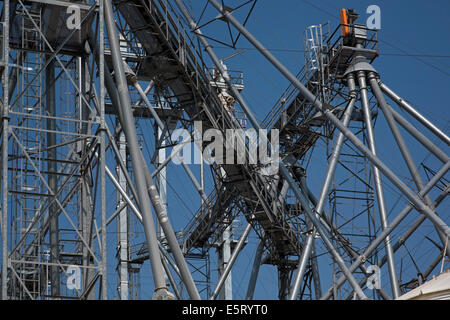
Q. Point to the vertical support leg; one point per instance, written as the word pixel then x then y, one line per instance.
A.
pixel 122 224
pixel 103 212
pixel 202 181
pixel 102 9
pixel 161 175
pixel 86 214
pixel 226 293
pixel 161 183
pixel 52 178
pixel 302 265
pixel 378 184
pixel 5 122
pixel 87 220
pixel 161 291
pixel 255 271
pixel 283 281
pixel 230 264
pixel 315 272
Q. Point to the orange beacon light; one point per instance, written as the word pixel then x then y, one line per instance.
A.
pixel 344 23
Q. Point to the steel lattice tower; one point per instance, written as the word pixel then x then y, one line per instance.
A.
pixel 94 97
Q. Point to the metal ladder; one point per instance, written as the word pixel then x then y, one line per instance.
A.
pixel 27 189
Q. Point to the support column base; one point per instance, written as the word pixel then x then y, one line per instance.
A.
pixel 163 294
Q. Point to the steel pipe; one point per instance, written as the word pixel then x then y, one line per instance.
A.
pixel 131 136
pixel 156 201
pixel 394 223
pixel 402 146
pixel 378 183
pixel 255 270
pixel 413 112
pixel 230 264
pixel 408 233
pixel 326 184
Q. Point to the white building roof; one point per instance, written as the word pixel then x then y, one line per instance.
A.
pixel 438 288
